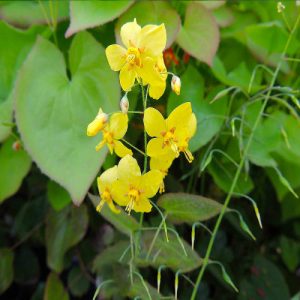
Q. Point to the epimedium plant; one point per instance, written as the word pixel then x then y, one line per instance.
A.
pixel 222 130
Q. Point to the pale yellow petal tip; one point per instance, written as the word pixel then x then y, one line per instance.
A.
pixel 176 85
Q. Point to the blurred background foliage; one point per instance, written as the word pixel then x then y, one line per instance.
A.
pixel 53 78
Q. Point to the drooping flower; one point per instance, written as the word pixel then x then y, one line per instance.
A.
pixel 162 164
pixel 138 60
pixel 124 104
pixel 105 182
pixel 173 133
pixel 113 132
pixel 97 124
pixel 132 189
pixel 176 84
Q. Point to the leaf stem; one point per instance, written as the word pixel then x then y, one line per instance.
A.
pixel 239 169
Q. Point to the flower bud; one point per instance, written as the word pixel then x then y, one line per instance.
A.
pixel 176 84
pixel 98 124
pixel 280 7
pixel 124 104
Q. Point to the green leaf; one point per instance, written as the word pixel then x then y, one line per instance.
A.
pixel 54 289
pixel 53 111
pixel 117 253
pixel 22 14
pixel 77 282
pixel 122 221
pixel 290 252
pixel 199 35
pixel 267 40
pixel 88 14
pixel 169 253
pixel 14 167
pixel 189 208
pixel 64 229
pixel 57 196
pixel 152 12
pixel 267 280
pixel 26 266
pixel 12 54
pixel 223 173
pixel 6 268
pixel 210 116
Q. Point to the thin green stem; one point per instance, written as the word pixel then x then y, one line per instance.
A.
pixel 132 146
pixel 135 112
pixel 145 96
pixel 239 169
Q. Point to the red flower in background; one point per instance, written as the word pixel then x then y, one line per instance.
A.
pixel 170 57
pixel 186 57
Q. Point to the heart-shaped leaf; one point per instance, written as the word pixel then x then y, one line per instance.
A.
pixel 182 207
pixel 14 167
pixel 64 229
pixel 53 111
pixel 152 12
pixel 199 35
pixel 88 14
pixel 12 53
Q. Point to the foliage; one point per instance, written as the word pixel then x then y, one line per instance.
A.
pixel 238 64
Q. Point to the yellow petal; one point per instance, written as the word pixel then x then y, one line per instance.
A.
pixel 128 168
pixel 180 116
pixel 118 125
pixel 113 208
pixel 116 56
pixel 157 90
pixel 150 183
pixel 127 77
pixel 129 33
pixel 154 122
pixel 162 163
pixel 107 178
pixel 153 39
pixel 100 145
pixel 155 147
pixel 149 72
pixel 192 125
pixel 121 150
pixel 143 205
pixel 119 192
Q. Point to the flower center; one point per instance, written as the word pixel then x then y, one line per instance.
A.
pixel 133 195
pixel 133 56
pixel 170 140
pixel 108 137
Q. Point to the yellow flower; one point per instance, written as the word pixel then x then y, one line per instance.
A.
pixel 139 58
pixel 162 164
pixel 173 133
pixel 105 182
pixel 113 132
pixel 98 124
pixel 132 189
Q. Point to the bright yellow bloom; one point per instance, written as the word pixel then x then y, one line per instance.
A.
pixel 132 189
pixel 162 164
pixel 105 182
pixel 139 59
pixel 173 133
pixel 98 124
pixel 113 132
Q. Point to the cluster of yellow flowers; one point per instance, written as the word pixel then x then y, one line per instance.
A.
pixel 142 61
